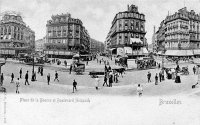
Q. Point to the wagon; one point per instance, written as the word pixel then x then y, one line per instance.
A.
pixel 93 74
pixel 2 89
pixel 79 68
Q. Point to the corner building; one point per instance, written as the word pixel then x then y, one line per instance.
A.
pixel 127 27
pixel 181 33
pixel 16 37
pixel 66 36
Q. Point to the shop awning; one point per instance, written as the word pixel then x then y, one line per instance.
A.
pixel 197 52
pixel 179 53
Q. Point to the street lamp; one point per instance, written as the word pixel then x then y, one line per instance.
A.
pixel 132 49
pixel 163 53
pixel 33 76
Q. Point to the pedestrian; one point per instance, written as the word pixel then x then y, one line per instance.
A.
pixel 87 63
pixel 194 69
pixel 105 68
pixel 48 78
pixel 74 85
pixel 2 79
pixel 100 61
pixel 139 90
pixel 20 73
pixel 116 77
pixel 97 83
pixel 105 80
pixel 35 76
pixel 38 69
pixel 70 69
pixel 41 71
pixel 160 76
pixel 56 76
pixel 149 77
pixel 17 85
pixel 156 79
pixel 12 78
pixel 110 80
pixel 26 78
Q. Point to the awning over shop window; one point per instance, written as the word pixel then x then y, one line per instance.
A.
pixel 197 52
pixel 179 53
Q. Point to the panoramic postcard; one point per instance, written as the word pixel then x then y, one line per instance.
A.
pixel 100 62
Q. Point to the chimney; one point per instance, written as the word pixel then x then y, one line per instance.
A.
pixel 128 7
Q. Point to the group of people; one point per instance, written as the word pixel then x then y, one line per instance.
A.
pixel 100 61
pixel 145 64
pixel 159 77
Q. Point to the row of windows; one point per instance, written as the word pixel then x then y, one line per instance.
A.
pixel 133 15
pixel 70 27
pixel 11 45
pixel 175 44
pixel 63 34
pixel 177 36
pixel 15 37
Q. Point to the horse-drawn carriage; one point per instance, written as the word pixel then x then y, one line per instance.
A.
pixel 185 71
pixel 79 68
pixel 2 89
pixel 145 63
pixel 122 61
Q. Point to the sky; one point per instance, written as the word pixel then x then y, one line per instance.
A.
pixel 96 15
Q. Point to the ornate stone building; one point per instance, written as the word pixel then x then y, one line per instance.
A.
pixel 181 32
pixel 96 46
pixel 127 26
pixel 65 36
pixel 16 37
pixel 39 45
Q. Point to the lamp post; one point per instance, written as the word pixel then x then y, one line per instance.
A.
pixel 33 78
pixel 132 49
pixel 163 52
pixel 1 64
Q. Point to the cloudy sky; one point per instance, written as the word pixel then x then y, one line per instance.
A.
pixel 96 15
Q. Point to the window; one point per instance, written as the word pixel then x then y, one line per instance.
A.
pixel 137 25
pixel 137 35
pixel 132 24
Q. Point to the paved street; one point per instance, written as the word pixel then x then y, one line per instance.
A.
pixel 86 85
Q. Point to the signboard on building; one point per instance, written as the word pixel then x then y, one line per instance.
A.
pixel 120 51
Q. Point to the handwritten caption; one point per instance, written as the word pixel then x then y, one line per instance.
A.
pixel 55 100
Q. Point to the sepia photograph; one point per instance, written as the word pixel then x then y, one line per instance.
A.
pixel 100 62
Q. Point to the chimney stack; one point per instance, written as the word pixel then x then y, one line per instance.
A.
pixel 128 7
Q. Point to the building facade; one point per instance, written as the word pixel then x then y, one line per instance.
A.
pixel 96 46
pixel 16 37
pixel 179 31
pixel 65 36
pixel 126 25
pixel 39 45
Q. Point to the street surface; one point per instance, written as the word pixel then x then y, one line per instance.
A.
pixel 86 85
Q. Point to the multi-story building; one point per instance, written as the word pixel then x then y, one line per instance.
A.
pixel 65 36
pixel 39 45
pixel 127 30
pixel 181 32
pixel 96 46
pixel 16 37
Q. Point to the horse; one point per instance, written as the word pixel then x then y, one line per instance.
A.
pixel 120 71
